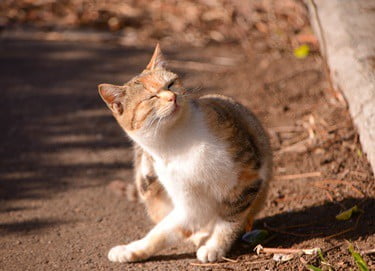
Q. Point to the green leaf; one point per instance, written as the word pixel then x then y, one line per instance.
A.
pixel 254 237
pixel 321 255
pixel 347 214
pixel 302 51
pixel 323 260
pixel 358 259
pixel 313 268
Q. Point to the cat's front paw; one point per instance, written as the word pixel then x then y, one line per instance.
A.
pixel 210 254
pixel 126 253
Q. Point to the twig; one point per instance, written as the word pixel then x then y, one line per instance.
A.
pixel 229 260
pixel 297 226
pixel 370 251
pixel 269 239
pixel 270 250
pixel 299 176
pixel 290 233
pixel 341 182
pixel 299 147
pixel 329 196
pixel 258 262
pixel 326 190
pixel 295 140
pixel 315 256
pixel 345 231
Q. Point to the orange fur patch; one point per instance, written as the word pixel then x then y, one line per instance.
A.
pixel 247 175
pixel 150 84
pixel 184 232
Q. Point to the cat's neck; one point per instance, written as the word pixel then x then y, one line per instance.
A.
pixel 187 132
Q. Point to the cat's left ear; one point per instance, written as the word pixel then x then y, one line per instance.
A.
pixel 112 95
pixel 157 61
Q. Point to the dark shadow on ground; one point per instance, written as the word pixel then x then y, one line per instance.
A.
pixel 315 221
pixel 172 257
pixel 50 106
pixel 28 226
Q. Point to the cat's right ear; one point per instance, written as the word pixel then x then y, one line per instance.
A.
pixel 112 95
pixel 157 60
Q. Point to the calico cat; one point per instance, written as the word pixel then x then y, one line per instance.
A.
pixel 202 166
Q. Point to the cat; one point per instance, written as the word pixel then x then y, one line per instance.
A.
pixel 202 165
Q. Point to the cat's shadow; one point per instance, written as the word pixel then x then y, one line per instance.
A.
pixel 173 257
pixel 315 222
pixel 291 228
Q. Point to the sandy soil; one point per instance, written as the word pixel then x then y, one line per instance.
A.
pixel 61 148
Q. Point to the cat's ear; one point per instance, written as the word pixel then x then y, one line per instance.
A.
pixel 112 95
pixel 157 61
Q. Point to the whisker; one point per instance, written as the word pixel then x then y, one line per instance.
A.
pixel 152 122
pixel 193 90
pixel 157 126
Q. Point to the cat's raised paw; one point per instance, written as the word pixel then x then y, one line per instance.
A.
pixel 125 253
pixel 210 254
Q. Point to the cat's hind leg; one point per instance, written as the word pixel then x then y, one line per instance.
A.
pixel 216 247
pixel 233 215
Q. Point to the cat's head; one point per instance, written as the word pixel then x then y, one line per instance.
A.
pixel 152 100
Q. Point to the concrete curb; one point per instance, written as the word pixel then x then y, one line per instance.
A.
pixel 347 39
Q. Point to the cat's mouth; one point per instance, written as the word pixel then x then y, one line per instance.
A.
pixel 175 109
pixel 172 112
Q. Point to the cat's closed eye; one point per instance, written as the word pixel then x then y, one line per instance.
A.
pixel 175 86
pixel 170 85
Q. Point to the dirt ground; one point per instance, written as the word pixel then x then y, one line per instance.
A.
pixel 61 148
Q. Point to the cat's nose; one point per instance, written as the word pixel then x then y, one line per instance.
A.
pixel 168 96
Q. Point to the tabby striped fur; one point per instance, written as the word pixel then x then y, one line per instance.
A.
pixel 202 166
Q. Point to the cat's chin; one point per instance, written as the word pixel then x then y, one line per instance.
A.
pixel 160 124
pixel 168 120
pixel 171 116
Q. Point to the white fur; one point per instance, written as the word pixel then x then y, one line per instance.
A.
pixel 196 171
pixel 187 157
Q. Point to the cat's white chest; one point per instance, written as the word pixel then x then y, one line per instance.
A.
pixel 182 168
pixel 193 165
pixel 205 170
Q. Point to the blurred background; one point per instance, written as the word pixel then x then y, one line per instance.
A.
pixel 280 24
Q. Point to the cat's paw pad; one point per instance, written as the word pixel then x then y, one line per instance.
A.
pixel 125 253
pixel 210 254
